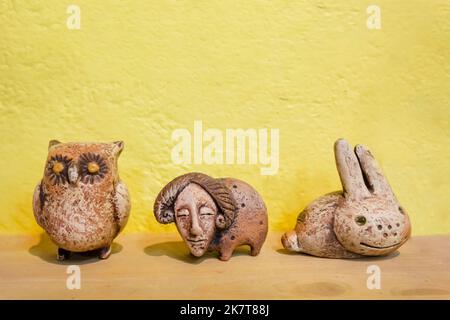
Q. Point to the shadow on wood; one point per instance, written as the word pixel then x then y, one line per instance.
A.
pixel 46 250
pixel 178 250
pixel 365 259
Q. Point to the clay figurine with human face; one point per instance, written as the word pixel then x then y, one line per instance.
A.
pixel 213 214
pixel 364 219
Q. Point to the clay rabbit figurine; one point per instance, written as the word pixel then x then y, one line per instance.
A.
pixel 364 219
pixel 80 202
pixel 213 214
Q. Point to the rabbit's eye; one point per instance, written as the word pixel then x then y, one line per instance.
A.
pixel 360 220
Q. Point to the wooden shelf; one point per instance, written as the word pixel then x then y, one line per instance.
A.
pixel 158 266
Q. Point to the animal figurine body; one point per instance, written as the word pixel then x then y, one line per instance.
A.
pixel 365 219
pixel 81 202
pixel 213 214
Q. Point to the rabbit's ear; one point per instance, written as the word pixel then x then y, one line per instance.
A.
pixel 376 180
pixel 349 171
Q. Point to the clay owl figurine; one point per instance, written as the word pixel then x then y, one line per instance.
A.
pixel 213 214
pixel 81 202
pixel 365 219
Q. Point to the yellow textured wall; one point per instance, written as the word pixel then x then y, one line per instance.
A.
pixel 137 70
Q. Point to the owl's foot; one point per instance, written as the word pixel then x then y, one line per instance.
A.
pixel 105 252
pixel 62 254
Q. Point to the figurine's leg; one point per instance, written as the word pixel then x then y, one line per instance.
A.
pixel 105 252
pixel 62 254
pixel 255 249
pixel 225 255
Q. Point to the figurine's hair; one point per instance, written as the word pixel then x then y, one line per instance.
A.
pixel 163 208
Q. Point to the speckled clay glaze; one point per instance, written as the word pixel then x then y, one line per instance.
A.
pixel 213 214
pixel 365 219
pixel 81 202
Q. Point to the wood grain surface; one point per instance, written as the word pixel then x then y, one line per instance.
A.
pixel 158 266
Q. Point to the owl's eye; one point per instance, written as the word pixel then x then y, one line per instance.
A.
pixel 92 167
pixel 57 169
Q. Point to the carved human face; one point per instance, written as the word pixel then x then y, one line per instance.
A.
pixel 195 216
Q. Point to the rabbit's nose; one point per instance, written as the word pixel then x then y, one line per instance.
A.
pixel 389 229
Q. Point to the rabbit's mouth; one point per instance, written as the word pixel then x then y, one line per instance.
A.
pixel 374 247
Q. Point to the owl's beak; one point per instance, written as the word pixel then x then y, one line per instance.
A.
pixel 72 172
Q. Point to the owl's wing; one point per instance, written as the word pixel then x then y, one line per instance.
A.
pixel 121 204
pixel 38 198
